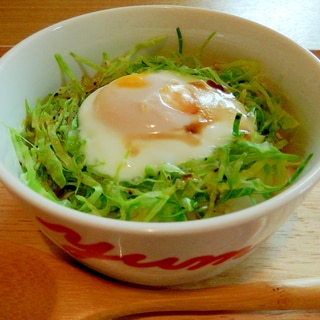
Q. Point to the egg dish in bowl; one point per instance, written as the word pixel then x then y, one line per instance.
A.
pixel 171 157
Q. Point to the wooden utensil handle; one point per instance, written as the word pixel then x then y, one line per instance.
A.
pixel 292 295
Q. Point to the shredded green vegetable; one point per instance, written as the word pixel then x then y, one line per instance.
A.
pixel 52 158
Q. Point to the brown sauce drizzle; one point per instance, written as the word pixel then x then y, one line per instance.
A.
pixel 195 127
pixel 217 86
pixel 132 141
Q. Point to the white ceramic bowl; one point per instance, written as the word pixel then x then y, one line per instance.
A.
pixel 158 253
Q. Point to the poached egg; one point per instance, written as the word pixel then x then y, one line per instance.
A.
pixel 153 118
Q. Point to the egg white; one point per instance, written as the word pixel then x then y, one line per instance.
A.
pixel 129 126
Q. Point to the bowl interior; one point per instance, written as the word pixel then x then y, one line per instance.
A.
pixel 29 71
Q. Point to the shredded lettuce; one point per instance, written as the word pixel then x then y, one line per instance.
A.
pixel 53 163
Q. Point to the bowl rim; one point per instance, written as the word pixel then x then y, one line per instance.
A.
pixel 17 187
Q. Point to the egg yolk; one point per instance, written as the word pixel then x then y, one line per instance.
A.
pixel 131 81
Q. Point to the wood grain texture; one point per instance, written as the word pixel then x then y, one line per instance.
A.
pixel 293 252
pixel 229 316
pixel 297 19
